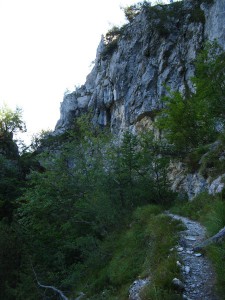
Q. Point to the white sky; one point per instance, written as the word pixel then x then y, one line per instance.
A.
pixel 47 46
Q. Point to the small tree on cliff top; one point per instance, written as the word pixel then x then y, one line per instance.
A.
pixel 10 121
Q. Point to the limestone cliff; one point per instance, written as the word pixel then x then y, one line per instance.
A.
pixel 157 48
pixel 135 63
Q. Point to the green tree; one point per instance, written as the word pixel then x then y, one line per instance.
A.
pixel 10 171
pixel 189 122
pixel 87 188
pixel 185 122
pixel 66 211
pixel 11 183
pixel 11 122
pixel 210 81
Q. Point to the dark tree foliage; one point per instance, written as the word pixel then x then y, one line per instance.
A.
pixel 88 188
pixel 12 180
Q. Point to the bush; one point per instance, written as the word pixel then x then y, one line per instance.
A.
pixel 111 39
pixel 109 49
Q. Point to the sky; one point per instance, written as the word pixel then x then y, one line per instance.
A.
pixel 47 47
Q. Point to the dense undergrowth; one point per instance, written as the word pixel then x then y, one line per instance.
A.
pixel 139 250
pixel 82 221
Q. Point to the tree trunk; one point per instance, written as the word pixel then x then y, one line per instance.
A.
pixel 217 238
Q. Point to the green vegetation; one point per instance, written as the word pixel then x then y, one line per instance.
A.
pixel 197 119
pixel 10 121
pixel 132 11
pixel 162 263
pixel 66 221
pixel 134 252
pixel 12 180
pixel 111 40
pixel 70 212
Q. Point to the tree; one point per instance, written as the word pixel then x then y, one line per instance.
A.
pixel 185 122
pixel 133 10
pixel 11 122
pixel 11 184
pixel 10 172
pixel 197 119
pixel 210 81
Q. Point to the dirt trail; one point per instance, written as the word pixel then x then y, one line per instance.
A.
pixel 197 271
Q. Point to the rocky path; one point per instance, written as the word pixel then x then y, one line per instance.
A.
pixel 198 275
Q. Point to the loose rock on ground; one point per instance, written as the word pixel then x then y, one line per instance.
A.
pixel 198 274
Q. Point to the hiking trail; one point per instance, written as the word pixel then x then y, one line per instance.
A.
pixel 197 271
pixel 198 276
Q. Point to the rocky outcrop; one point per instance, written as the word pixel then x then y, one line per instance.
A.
pixel 192 184
pixel 132 67
pixel 184 182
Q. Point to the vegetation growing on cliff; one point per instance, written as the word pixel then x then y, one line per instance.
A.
pixel 199 118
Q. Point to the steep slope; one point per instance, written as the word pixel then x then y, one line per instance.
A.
pixel 134 63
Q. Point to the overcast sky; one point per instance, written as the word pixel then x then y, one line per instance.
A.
pixel 47 46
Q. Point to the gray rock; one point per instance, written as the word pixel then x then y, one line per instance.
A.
pixel 215 25
pixel 127 85
pixel 187 269
pixel 178 284
pixel 136 287
pixel 198 254
pixel 183 182
pixel 178 263
pixel 217 185
pixel 190 238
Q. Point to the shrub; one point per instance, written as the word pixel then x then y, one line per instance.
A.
pixel 111 39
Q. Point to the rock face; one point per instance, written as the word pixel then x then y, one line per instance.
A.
pixel 184 182
pixel 155 49
pixel 133 64
pixel 215 26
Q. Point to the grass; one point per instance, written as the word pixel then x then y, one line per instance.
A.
pixel 140 250
pixel 162 263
